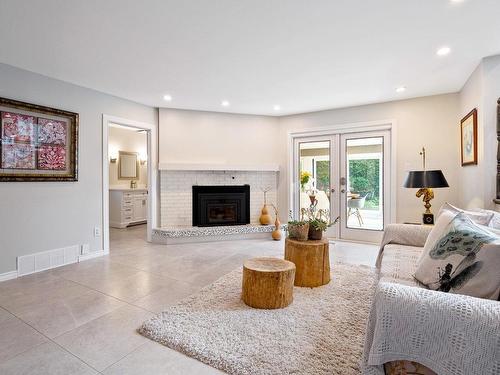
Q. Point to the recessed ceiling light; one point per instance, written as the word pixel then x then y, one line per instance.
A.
pixel 401 89
pixel 167 98
pixel 443 51
pixel 276 107
pixel 225 103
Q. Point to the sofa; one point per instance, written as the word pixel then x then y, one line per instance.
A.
pixel 431 331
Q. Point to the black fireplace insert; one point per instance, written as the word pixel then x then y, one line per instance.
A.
pixel 221 205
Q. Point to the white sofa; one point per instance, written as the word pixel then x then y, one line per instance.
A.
pixel 448 333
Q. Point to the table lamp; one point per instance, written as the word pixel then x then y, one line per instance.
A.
pixel 425 181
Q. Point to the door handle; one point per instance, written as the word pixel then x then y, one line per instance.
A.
pixel 332 190
pixel 342 191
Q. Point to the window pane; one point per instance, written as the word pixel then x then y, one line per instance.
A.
pixel 314 177
pixel 365 183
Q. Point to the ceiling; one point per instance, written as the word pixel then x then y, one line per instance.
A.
pixel 301 55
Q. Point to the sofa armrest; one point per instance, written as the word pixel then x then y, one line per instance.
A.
pixel 403 234
pixel 449 333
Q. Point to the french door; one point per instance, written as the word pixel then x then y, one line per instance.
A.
pixel 346 176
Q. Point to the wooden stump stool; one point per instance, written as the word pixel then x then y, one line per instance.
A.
pixel 268 283
pixel 312 260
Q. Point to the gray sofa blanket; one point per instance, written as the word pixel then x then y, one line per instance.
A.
pixel 449 333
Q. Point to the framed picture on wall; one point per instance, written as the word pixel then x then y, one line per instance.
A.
pixel 37 143
pixel 468 132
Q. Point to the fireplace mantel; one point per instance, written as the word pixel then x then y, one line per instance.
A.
pixel 218 167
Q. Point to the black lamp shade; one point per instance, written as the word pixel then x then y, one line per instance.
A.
pixel 425 179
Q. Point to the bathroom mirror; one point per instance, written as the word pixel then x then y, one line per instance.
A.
pixel 128 165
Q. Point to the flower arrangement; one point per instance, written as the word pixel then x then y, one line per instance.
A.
pixel 304 178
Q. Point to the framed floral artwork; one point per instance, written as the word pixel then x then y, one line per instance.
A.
pixel 468 132
pixel 37 143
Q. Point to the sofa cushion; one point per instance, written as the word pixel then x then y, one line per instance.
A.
pixel 461 257
pixel 481 217
pixel 399 264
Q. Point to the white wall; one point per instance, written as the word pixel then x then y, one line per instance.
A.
pixel 481 91
pixel 129 141
pixel 471 96
pixel 491 94
pixel 47 215
pixel 429 121
pixel 217 138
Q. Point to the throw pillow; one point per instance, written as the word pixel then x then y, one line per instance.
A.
pixel 443 219
pixel 495 219
pixel 465 259
pixel 481 217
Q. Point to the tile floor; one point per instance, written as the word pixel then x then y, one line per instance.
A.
pixel 82 318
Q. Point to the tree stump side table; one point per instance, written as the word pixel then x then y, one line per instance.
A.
pixel 312 259
pixel 268 283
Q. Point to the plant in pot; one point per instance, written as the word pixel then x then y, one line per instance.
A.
pixel 317 226
pixel 298 229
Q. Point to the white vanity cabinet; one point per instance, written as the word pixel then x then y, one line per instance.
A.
pixel 127 206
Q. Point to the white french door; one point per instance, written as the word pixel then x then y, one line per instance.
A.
pixel 349 176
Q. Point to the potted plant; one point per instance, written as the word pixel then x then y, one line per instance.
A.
pixel 297 229
pixel 317 226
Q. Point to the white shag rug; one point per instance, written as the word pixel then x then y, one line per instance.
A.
pixel 321 332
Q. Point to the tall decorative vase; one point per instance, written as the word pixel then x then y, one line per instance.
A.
pixel 265 218
pixel 277 230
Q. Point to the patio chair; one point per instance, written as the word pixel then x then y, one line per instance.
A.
pixel 354 206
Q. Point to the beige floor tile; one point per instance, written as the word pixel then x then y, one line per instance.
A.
pixel 16 336
pixel 153 359
pixel 354 253
pixel 96 272
pixel 55 317
pixel 106 340
pixel 23 297
pixel 168 296
pixel 134 287
pixel 45 359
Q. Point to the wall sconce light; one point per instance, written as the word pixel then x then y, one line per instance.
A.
pixel 113 156
pixel 143 159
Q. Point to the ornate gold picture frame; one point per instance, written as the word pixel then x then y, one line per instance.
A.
pixel 37 143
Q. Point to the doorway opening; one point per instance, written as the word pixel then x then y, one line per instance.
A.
pixel 350 175
pixel 129 179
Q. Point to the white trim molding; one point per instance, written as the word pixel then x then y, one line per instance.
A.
pixel 8 276
pixel 153 190
pixel 217 167
pixel 92 255
pixel 354 127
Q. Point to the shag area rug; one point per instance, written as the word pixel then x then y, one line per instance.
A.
pixel 321 332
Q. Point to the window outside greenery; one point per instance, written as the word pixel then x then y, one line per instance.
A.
pixel 323 175
pixel 364 178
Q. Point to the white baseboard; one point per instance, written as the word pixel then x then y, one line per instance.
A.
pixel 8 275
pixel 47 260
pixel 92 255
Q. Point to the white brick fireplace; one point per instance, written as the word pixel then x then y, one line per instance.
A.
pixel 176 191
